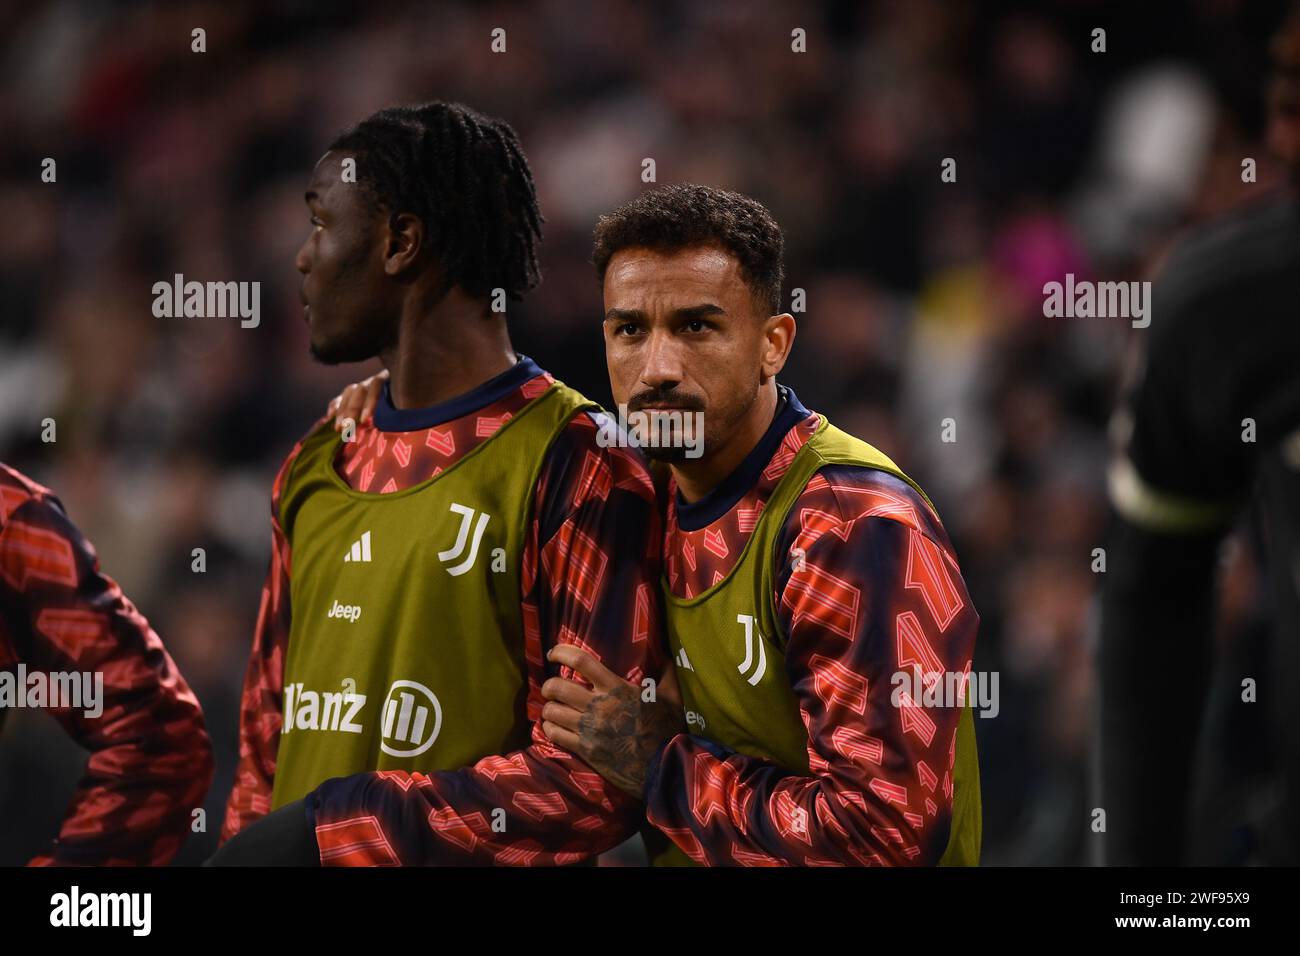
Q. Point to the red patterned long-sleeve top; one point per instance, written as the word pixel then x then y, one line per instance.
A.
pixel 150 759
pixel 878 581
pixel 589 576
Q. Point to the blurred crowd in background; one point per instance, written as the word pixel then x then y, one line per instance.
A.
pixel 923 297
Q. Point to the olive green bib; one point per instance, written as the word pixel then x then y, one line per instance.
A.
pixel 406 646
pixel 730 651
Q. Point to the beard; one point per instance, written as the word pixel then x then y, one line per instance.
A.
pixel 710 429
pixel 668 455
pixel 667 444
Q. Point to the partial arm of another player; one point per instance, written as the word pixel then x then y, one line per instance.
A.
pixel 150 757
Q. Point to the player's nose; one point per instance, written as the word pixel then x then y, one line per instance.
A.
pixel 663 361
pixel 300 261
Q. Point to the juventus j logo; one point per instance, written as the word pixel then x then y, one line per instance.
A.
pixel 752 639
pixel 456 550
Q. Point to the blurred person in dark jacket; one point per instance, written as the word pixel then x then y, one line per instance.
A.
pixel 1208 428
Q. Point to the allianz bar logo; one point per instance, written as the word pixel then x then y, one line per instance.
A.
pixel 411 714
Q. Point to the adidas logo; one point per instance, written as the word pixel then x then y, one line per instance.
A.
pixel 683 661
pixel 360 549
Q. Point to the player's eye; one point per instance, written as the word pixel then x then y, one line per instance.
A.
pixel 696 325
pixel 627 328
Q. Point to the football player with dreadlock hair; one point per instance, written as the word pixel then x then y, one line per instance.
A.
pixel 421 572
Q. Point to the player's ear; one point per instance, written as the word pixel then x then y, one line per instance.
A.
pixel 404 240
pixel 778 338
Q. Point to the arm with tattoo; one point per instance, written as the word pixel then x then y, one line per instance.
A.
pixel 615 726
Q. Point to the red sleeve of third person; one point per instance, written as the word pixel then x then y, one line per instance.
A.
pixel 150 761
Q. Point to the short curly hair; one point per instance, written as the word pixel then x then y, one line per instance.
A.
pixel 682 215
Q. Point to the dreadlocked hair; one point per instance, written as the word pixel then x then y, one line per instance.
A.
pixel 465 176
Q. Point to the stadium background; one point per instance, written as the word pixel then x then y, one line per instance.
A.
pixel 924 298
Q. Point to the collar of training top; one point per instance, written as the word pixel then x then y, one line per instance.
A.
pixel 391 419
pixel 692 516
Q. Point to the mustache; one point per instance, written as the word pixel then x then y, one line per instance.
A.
pixel 682 400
